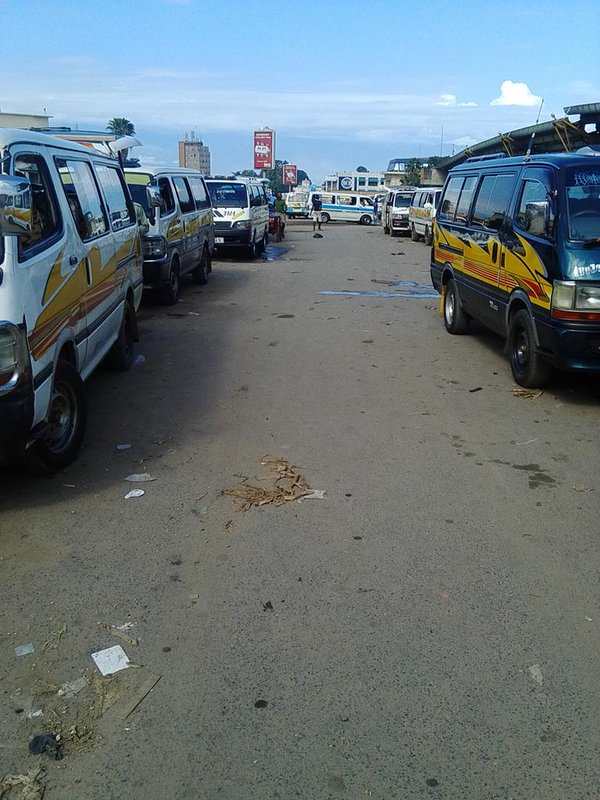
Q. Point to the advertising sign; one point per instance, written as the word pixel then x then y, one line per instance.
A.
pixel 290 174
pixel 264 149
pixel 345 183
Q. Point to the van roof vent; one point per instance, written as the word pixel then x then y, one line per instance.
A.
pixel 487 157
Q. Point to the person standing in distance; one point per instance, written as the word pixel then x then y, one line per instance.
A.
pixel 315 210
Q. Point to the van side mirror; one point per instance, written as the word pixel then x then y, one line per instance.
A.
pixel 538 218
pixel 15 205
pixel 154 196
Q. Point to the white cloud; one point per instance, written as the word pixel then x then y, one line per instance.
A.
pixel 451 100
pixel 516 94
pixel 465 141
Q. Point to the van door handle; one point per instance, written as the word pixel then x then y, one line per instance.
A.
pixel 73 261
pixel 494 251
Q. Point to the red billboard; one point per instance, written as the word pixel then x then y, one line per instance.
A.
pixel 264 149
pixel 290 174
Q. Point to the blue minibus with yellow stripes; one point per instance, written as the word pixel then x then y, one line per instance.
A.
pixel 516 246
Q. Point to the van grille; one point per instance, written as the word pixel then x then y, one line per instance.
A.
pixel 221 226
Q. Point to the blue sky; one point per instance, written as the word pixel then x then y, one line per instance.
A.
pixel 343 82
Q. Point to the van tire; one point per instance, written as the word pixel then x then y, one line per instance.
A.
pixel 428 237
pixel 120 355
pixel 528 367
pixel 456 318
pixel 413 233
pixel 252 250
pixel 201 272
pixel 325 217
pixel 67 417
pixel 169 294
pixel 365 220
pixel 386 229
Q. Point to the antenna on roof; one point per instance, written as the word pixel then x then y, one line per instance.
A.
pixel 529 147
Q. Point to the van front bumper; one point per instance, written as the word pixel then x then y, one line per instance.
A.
pixel 16 417
pixel 156 272
pixel 239 237
pixel 573 347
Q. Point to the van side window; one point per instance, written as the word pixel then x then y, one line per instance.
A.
pixel 254 195
pixel 120 208
pixel 167 195
pixel 451 195
pixel 346 200
pixel 83 198
pixel 46 220
pixel 199 192
pixel 186 201
pixel 533 191
pixel 466 196
pixel 493 199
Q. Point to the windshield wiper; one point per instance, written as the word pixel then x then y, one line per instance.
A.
pixel 589 243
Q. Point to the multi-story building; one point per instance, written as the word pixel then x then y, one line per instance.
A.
pixel 194 154
pixel 8 120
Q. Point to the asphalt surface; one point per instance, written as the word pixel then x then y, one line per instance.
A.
pixel 428 630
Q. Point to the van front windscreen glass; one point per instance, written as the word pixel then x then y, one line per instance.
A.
pixel 403 200
pixel 228 195
pixel 583 203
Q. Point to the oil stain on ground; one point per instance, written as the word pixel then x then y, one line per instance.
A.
pixel 537 477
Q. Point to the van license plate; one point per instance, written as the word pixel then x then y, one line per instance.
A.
pixel 219 240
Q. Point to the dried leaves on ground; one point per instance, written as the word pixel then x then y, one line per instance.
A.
pixel 287 485
pixel 527 394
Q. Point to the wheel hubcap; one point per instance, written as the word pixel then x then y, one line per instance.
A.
pixel 521 349
pixel 449 307
pixel 62 419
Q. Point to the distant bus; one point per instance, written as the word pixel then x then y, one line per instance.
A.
pixel 346 207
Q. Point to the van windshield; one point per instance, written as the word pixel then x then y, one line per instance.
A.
pixel 583 203
pixel 403 200
pixel 228 195
pixel 137 182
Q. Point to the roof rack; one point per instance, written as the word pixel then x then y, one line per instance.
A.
pixel 488 157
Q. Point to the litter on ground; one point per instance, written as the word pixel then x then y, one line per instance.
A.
pixel 287 485
pixel 24 649
pixel 140 477
pixel 30 784
pixel 536 674
pixel 134 493
pixel 111 660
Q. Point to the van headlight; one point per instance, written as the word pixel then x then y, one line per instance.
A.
pixel 13 356
pixel 242 223
pixel 154 246
pixel 572 300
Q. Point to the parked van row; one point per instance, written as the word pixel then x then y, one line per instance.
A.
pixel 421 213
pixel 516 246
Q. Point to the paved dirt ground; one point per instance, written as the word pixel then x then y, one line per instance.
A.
pixel 428 629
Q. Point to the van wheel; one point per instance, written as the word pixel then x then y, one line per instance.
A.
pixel 386 229
pixel 169 294
pixel 456 319
pixel 252 251
pixel 365 220
pixel 200 274
pixel 413 233
pixel 427 237
pixel 65 427
pixel 529 369
pixel 120 355
pixel 325 217
pixel 265 242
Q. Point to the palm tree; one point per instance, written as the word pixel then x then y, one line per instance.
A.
pixel 121 127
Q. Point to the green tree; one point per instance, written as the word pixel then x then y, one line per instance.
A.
pixel 121 126
pixel 412 173
pixel 247 173
pixel 302 176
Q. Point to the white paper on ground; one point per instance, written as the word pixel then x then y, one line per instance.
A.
pixel 139 477
pixel 317 494
pixel 134 493
pixel 111 660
